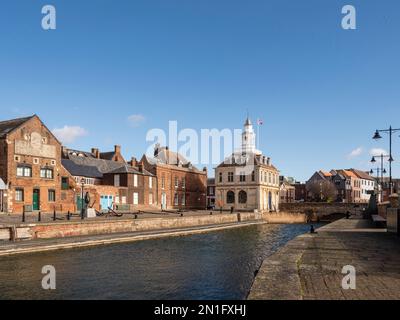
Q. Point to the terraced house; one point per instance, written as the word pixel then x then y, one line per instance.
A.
pixel 180 184
pixel 110 180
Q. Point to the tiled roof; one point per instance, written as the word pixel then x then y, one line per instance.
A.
pixel 9 125
pixel 326 174
pixel 363 175
pixel 350 174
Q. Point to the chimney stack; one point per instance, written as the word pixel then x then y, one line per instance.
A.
pixel 140 167
pixel 117 149
pixel 96 153
pixel 133 162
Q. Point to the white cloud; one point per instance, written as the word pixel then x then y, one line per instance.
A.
pixel 69 134
pixel 355 153
pixel 135 120
pixel 377 152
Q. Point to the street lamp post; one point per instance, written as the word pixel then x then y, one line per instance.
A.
pixel 378 136
pixel 380 172
pixel 82 199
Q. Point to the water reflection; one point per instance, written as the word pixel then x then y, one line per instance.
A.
pixel 217 265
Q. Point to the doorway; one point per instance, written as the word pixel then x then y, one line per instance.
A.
pixel 163 201
pixel 36 199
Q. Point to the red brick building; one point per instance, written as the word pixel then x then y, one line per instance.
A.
pixel 31 168
pixel 180 184
pixel 110 180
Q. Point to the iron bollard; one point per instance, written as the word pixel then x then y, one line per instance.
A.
pixel 136 216
pixel 54 215
pixel 68 216
pixel 39 216
pixel 211 213
pixel 23 215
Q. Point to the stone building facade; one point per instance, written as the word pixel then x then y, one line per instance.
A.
pixel 31 168
pixel 180 184
pixel 247 180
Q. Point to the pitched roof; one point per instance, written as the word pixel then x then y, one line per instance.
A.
pixel 81 170
pixel 128 169
pixel 8 126
pixel 107 155
pixel 362 174
pixel 165 157
pixel 326 174
pixel 104 166
pixel 350 174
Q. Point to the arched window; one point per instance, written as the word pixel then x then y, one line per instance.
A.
pixel 242 197
pixel 230 197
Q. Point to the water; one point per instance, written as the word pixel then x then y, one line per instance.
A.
pixel 218 265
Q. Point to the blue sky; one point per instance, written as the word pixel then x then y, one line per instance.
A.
pixel 321 90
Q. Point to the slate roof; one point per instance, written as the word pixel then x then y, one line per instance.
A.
pixel 107 155
pixel 166 157
pixel 128 169
pixel 104 166
pixel 81 170
pixel 9 125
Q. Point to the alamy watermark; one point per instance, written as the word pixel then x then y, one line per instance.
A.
pixel 349 282
pixel 49 21
pixel 204 147
pixel 349 21
pixel 49 279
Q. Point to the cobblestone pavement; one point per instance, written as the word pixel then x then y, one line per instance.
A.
pixel 310 266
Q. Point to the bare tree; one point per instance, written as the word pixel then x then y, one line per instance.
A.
pixel 322 191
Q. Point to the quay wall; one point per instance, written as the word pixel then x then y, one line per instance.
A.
pixel 322 209
pixel 96 227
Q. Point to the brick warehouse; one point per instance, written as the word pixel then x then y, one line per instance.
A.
pixel 30 166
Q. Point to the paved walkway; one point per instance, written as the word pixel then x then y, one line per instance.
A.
pixel 309 267
pixel 32 218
